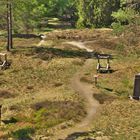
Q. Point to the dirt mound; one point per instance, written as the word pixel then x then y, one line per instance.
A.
pixel 103 45
pixel 95 39
pixel 85 34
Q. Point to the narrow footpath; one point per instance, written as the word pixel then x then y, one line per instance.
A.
pixel 85 90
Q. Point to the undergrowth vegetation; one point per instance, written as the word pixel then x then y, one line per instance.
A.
pixel 41 87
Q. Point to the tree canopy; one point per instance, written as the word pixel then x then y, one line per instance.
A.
pixel 27 14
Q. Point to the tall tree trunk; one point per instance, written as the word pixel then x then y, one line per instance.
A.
pixel 10 15
pixel 9 27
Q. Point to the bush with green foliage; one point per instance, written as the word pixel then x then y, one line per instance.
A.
pixel 23 134
pixel 96 13
pixel 26 14
pixel 125 16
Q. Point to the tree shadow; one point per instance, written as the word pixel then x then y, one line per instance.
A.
pixel 102 98
pixel 70 110
pixel 11 120
pixel 26 36
pixel 76 135
pixel 65 53
pixel 50 53
pixel 23 134
pixel 104 71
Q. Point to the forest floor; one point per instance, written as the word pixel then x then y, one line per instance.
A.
pixel 49 92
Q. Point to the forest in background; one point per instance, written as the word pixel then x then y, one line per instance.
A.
pixel 34 14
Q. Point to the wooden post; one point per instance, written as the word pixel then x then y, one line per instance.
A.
pixel 11 24
pixel 0 113
pixel 96 79
pixel 8 31
pixel 136 94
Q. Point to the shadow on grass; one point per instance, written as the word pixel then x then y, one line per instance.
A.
pixel 11 120
pixel 76 135
pixel 107 71
pixel 5 94
pixel 25 36
pixel 102 98
pixel 66 110
pixel 49 53
pixel 23 134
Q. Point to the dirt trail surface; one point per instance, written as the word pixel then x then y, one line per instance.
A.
pixel 86 90
pixel 79 45
pixel 42 42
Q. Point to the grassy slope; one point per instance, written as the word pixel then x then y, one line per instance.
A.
pixel 119 115
pixel 41 87
pixel 119 118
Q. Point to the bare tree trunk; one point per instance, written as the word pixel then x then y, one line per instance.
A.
pixel 9 27
pixel 10 15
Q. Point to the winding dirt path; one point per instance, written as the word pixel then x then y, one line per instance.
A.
pixel 79 45
pixel 86 90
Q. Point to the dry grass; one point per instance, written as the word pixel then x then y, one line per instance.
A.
pixel 38 81
pixel 33 81
pixel 85 34
pixel 119 116
pixel 120 120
